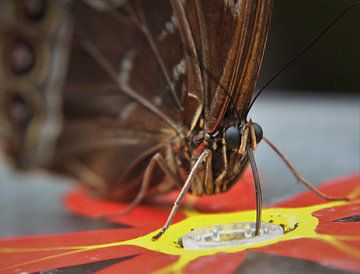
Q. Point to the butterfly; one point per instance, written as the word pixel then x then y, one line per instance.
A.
pixel 135 98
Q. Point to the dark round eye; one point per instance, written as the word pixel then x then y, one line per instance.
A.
pixel 232 137
pixel 258 132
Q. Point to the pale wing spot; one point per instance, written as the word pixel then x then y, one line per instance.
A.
pixel 162 35
pixel 105 5
pixel 127 110
pixel 234 6
pixel 157 101
pixel 169 28
pixel 126 66
pixel 179 69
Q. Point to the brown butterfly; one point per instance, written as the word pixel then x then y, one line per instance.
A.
pixel 156 95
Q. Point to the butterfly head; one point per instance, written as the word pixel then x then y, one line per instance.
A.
pixel 234 136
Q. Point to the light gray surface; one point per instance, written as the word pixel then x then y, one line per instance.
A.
pixel 319 134
pixel 30 203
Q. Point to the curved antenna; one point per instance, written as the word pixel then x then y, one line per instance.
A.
pixel 301 53
pixel 212 77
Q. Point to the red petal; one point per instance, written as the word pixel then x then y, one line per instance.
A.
pixel 329 225
pixel 81 203
pixel 27 253
pixel 147 262
pixel 41 261
pixel 317 251
pixel 73 239
pixel 339 212
pixel 218 263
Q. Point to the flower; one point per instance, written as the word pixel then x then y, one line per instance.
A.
pixel 325 233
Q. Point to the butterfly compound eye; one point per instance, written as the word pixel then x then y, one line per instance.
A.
pixel 258 132
pixel 232 137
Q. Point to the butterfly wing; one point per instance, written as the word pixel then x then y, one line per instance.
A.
pixel 140 73
pixel 33 57
pixel 224 42
pixel 229 38
pixel 108 137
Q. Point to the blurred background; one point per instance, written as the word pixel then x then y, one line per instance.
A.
pixel 332 66
pixel 312 112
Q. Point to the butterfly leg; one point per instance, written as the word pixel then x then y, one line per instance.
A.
pixel 85 175
pixel 208 180
pixel 219 185
pixel 203 157
pixel 156 161
pixel 301 179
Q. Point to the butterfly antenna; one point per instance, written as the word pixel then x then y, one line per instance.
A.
pixel 305 50
pixel 212 77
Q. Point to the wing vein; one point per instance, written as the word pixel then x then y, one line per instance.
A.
pixel 94 52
